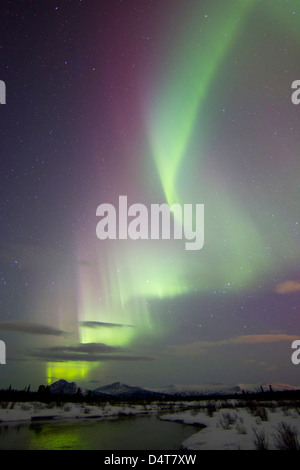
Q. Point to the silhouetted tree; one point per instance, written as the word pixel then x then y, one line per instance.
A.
pixel 42 389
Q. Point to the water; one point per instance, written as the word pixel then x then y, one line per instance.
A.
pixel 136 433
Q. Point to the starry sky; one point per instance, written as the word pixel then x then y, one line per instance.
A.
pixel 180 101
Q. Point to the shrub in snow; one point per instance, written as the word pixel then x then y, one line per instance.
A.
pixel 260 439
pixel 286 437
pixel 262 413
pixel 226 420
pixel 252 407
pixel 25 407
pixel 286 411
pixel 240 428
pixel 210 409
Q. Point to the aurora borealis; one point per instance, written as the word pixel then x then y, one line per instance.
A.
pixel 177 102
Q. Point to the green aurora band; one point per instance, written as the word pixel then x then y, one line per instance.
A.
pixel 172 121
pixel 234 254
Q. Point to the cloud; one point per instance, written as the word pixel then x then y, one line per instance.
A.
pixel 18 358
pixel 87 352
pixel 98 324
pixel 288 287
pixel 31 328
pixel 265 338
pixel 271 368
pixel 89 348
pixel 81 357
pixel 199 347
pixel 264 364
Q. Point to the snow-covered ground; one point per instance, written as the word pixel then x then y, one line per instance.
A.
pixel 28 411
pixel 237 428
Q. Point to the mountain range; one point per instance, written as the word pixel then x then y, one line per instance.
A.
pixel 121 390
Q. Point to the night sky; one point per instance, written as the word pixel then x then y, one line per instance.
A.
pixel 173 101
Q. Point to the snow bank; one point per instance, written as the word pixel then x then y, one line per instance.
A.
pixel 37 410
pixel 235 428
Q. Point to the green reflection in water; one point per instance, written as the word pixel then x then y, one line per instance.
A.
pixel 131 433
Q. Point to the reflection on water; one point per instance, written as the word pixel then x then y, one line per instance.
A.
pixel 147 433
